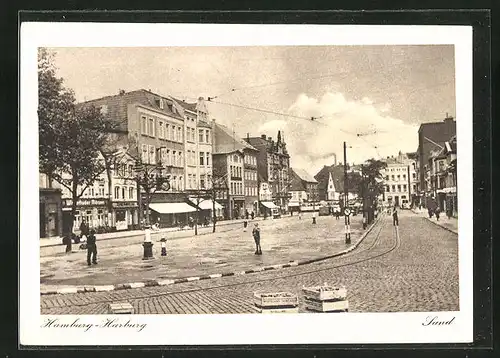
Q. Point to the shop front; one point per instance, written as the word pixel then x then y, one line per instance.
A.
pixel 270 209
pixel 237 207
pixel 206 209
pixel 125 215
pixel 50 213
pixel 174 214
pixel 93 211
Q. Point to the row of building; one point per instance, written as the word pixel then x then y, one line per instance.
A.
pixel 194 153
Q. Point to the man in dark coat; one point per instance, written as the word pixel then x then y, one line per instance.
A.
pixel 84 229
pixel 256 237
pixel 91 248
pixel 395 219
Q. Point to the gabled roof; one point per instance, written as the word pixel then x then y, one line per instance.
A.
pixel 303 175
pixel 189 106
pixel 226 142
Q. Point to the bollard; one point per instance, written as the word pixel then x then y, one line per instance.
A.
pixel 163 246
pixel 326 299
pixel 148 245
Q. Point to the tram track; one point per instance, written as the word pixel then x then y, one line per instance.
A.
pixel 355 253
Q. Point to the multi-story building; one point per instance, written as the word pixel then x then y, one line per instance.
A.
pixel 400 180
pixel 431 137
pixel 273 163
pixel 152 127
pixel 198 145
pixel 303 188
pixel 229 164
pixel 110 202
pixel 251 179
pixel 442 177
pixel 51 223
pixel 330 182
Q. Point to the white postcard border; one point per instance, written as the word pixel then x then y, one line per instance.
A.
pixel 247 328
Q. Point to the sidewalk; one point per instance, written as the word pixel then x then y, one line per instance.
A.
pixel 57 241
pixel 450 224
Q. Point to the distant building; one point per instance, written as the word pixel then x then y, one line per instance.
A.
pixel 273 163
pixel 330 182
pixel 400 180
pixel 431 138
pixel 303 188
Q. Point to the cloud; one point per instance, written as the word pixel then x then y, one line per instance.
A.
pixel 314 143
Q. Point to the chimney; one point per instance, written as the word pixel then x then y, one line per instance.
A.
pixel 263 136
pixel 121 92
pixel 248 136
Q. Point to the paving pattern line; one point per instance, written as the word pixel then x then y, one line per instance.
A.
pixel 152 283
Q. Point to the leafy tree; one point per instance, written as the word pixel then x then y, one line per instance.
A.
pixel 70 135
pixel 372 185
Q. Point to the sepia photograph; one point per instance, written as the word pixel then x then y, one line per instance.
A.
pixel 296 180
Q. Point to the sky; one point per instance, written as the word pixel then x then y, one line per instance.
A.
pixel 372 97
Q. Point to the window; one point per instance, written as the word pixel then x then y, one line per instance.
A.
pixel 131 193
pixel 208 159
pixel 152 154
pixel 167 131
pixel 393 188
pixel 144 156
pixel 167 159
pixel 399 177
pixel 386 177
pixel 207 136
pixel 181 183
pixel 414 176
pixel 399 188
pixel 123 193
pixel 144 125
pixel 151 127
pixel 235 158
pixel 174 183
pixel 117 192
pixel 179 134
pixel 404 187
pixel 200 135
pixel 202 183
pixel 202 156
pixel 392 177
pixel 174 158
pixel 161 103
pixel 161 130
pixel 181 162
pixel 404 176
pixel 174 133
pixel 387 188
pixel 209 180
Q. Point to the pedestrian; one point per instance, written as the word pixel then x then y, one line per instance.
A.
pixel 256 238
pixel 314 217
pixel 395 219
pixel 300 215
pixel 429 211
pixel 84 229
pixel 252 215
pixel 91 248
pixel 246 214
pixel 437 212
pixel 245 223
pixel 364 221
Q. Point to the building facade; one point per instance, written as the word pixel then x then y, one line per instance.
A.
pixel 431 138
pixel 400 180
pixel 303 188
pixel 251 180
pixel 273 163
pixel 198 145
pixel 229 165
pixel 51 222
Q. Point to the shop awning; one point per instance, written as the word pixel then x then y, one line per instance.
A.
pixel 269 205
pixel 171 208
pixel 447 190
pixel 206 204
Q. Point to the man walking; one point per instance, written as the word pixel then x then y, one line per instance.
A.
pixel 256 237
pixel 395 219
pixel 91 248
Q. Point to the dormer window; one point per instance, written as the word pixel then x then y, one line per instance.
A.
pixel 161 103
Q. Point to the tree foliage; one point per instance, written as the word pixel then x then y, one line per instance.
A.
pixel 70 135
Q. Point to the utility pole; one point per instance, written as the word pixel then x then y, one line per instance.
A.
pixel 346 200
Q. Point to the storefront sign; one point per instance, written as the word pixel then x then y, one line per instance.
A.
pixel 125 204
pixel 85 202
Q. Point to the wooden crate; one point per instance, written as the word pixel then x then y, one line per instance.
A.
pixel 120 308
pixel 327 306
pixel 276 300
pixel 279 310
pixel 325 293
